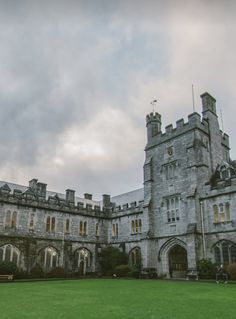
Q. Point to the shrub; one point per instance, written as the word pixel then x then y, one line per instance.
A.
pixel 20 274
pixel 135 272
pixel 206 269
pixel 231 269
pixel 37 272
pixel 149 272
pixel 110 258
pixel 57 272
pixel 121 270
pixel 8 268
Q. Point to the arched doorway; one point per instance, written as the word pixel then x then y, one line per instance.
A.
pixel 82 261
pixel 178 263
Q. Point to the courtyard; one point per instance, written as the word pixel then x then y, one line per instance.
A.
pixel 117 298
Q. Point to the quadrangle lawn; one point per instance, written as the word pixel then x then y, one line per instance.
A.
pixel 117 299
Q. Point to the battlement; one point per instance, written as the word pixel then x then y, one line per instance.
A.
pixel 31 197
pixel 153 117
pixel 194 122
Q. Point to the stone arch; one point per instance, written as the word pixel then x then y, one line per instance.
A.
pixel 135 257
pixel 10 252
pixel 48 257
pixel 82 260
pixel 163 255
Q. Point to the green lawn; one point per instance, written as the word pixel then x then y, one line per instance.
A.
pixel 117 298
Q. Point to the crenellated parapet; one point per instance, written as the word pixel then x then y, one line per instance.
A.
pixel 153 117
pixel 194 122
pixel 29 197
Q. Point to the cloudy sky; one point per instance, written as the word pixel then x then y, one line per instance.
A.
pixel 77 78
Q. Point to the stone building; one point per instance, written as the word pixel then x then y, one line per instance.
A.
pixel 186 210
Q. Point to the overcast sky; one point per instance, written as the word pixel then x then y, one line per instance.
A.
pixel 77 78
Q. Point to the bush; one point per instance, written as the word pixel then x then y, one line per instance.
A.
pixel 231 269
pixel 57 272
pixel 121 270
pixel 135 272
pixel 149 272
pixel 37 272
pixel 20 274
pixel 110 258
pixel 206 269
pixel 8 268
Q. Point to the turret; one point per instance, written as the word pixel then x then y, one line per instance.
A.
pixel 215 136
pixel 208 103
pixel 153 124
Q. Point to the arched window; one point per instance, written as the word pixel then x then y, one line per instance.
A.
pixel 48 258
pixel 82 228
pixel 67 226
pixel 140 225
pixel 136 226
pixel 11 220
pixel 216 214
pixel 9 253
pixel 53 224
pixel 14 220
pixel 221 212
pixel 115 230
pixel 225 252
pixel 31 222
pixel 8 219
pixel 50 224
pixel 132 227
pixel 135 257
pixel 82 260
pixel 97 230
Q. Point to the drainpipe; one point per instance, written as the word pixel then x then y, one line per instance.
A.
pixel 203 230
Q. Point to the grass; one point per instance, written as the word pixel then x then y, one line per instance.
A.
pixel 117 299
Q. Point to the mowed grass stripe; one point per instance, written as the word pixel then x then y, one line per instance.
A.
pixel 117 298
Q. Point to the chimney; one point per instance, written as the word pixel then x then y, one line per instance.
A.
pixel 70 196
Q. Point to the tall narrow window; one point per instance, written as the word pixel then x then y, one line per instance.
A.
pixel 11 220
pixel 8 219
pixel 14 220
pixel 67 226
pixel 216 213
pixel 172 209
pixel 140 225
pixel 82 228
pixel 97 230
pixel 132 227
pixel 115 230
pixel 50 224
pixel 31 222
pixel 53 224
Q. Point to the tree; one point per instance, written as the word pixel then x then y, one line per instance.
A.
pixel 110 258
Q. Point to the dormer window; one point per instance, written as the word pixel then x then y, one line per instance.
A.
pixel 225 172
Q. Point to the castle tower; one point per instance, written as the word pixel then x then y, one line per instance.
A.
pixel 217 154
pixel 153 124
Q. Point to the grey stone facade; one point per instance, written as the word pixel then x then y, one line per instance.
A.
pixel 185 212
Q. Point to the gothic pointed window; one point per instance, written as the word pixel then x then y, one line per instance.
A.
pixel 31 222
pixel 225 252
pixel 10 253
